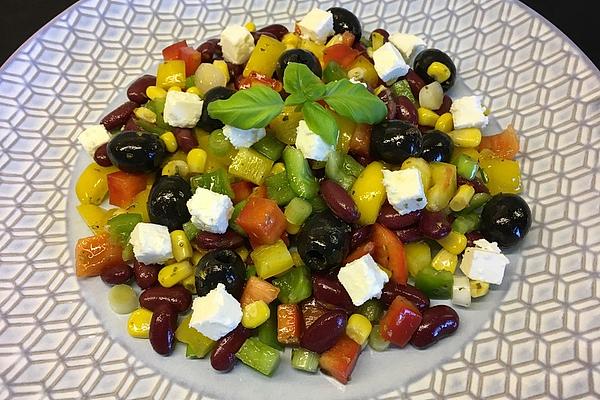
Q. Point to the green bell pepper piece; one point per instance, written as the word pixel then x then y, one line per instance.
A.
pixel 435 284
pixel 237 209
pixel 333 72
pixel 149 127
pixel 294 286
pixel 217 181
pixel 466 166
pixel 259 356
pixel 267 331
pixel 269 147
pixel 120 227
pixel 402 88
pixel 466 223
pixel 278 188
pixel 299 174
pixel 218 144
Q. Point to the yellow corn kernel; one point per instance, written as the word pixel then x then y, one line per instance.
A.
pixel 196 161
pixel 296 258
pixel 439 71
pixel 277 168
pixel 176 168
pixel 155 92
pixel 467 137
pixel 462 197
pixel 422 166
pixel 427 117
pixel 445 123
pixel 194 90
pixel 291 40
pixel 172 274
pixel 445 261
pixel 242 252
pixel 92 185
pixel 174 89
pixel 222 66
pixel 145 114
pixel 479 288
pixel 292 229
pixel 138 324
pixel 454 242
pixel 182 249
pixel 251 26
pixel 358 328
pixel 169 140
pixel 255 314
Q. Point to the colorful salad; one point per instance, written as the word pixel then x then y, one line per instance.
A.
pixel 311 189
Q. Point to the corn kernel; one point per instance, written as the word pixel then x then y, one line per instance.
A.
pixel 190 284
pixel 251 26
pixel 242 252
pixel 255 314
pixel 445 123
pixel 222 66
pixel 479 288
pixel 358 328
pixel 196 160
pixel 176 168
pixel 138 324
pixel 439 71
pixel 145 114
pixel 172 274
pixel 182 249
pixel 170 142
pixel 427 117
pixel 445 261
pixel 454 242
pixel 174 89
pixel 155 92
pixel 278 168
pixel 462 198
pixel 194 90
pixel 291 40
pixel 467 137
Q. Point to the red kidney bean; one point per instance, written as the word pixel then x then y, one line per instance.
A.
pixel 101 156
pixel 438 322
pixel 324 332
pixel 186 140
pixel 223 356
pixel 329 290
pixel 235 71
pixel 218 241
pixel 445 107
pixel 391 219
pixel 476 183
pixel 311 309
pixel 277 30
pixel 339 201
pixel 360 235
pixel 145 275
pixel 362 159
pixel 117 274
pixel 210 50
pixel 162 329
pixel 473 236
pixel 178 297
pixel 406 110
pixel 117 117
pixel 256 35
pixel 387 97
pixel 424 129
pixel 391 290
pixel 434 225
pixel 382 32
pixel 415 82
pixel 131 125
pixel 410 234
pixel 137 90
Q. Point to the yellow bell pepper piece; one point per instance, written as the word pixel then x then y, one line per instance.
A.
pixel 445 261
pixel 92 185
pixel 443 177
pixel 504 176
pixel 315 48
pixel 200 344
pixel 140 204
pixel 263 58
pixel 370 76
pixel 291 40
pixel 255 314
pixel 346 129
pixel 94 217
pixel 171 73
pixel 418 256
pixel 138 325
pixel 368 193
pixel 272 259
pixel 284 125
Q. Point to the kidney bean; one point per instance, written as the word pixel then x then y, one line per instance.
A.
pixel 410 234
pixel 117 274
pixel 473 236
pixel 415 82
pixel 476 183
pixel 391 290
pixel 360 235
pixel 438 322
pixel 210 50
pixel 406 110
pixel 137 90
pixel 434 225
pixel 382 32
pixel 131 125
pixel 101 156
pixel 324 332
pixel 235 71
pixel 277 30
pixel 117 117
pixel 223 356
pixel 339 201
pixel 328 289
pixel 162 329
pixel 186 140
pixel 256 35
pixel 218 241
pixel 145 275
pixel 178 297
pixel 391 219
pixel 386 96
pixel 311 309
pixel 445 107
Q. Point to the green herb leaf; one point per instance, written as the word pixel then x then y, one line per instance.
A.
pixel 301 82
pixel 355 102
pixel 295 99
pixel 254 107
pixel 320 121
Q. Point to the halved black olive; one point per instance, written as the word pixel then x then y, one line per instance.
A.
pixel 298 56
pixel 217 93
pixel 136 151
pixel 427 57
pixel 167 202
pixel 344 20
pixel 220 266
pixel 394 141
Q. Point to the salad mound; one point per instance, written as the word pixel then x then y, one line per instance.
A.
pixel 317 189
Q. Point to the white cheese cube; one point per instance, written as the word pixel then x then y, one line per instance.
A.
pixel 461 291
pixel 93 137
pixel 468 112
pixel 310 144
pixel 151 243
pixel 317 25
pixel 406 43
pixel 389 63
pixel 210 211
pixel 485 265
pixel 404 190
pixel 489 246
pixel 362 279
pixel 243 138
pixel 216 314
pixel 182 109
pixel 237 44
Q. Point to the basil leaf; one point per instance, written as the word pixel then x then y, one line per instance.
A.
pixel 321 122
pixel 355 102
pixel 294 99
pixel 300 81
pixel 254 107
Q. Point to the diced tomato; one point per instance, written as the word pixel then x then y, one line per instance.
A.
pixel 262 220
pixel 360 251
pixel 254 78
pixel 339 361
pixel 241 190
pixel 505 144
pixel 94 254
pixel 123 187
pixel 340 53
pixel 361 140
pixel 259 191
pixel 399 322
pixel 289 324
pixel 258 289
pixel 172 52
pixel 192 59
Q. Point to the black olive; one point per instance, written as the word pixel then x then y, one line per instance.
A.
pixel 217 93
pixel 136 151
pixel 298 56
pixel 425 58
pixel 437 146
pixel 323 241
pixel 220 266
pixel 505 219
pixel 167 202
pixel 394 141
pixel 344 20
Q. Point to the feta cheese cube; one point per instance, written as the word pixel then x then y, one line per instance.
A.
pixel 485 245
pixel 389 63
pixel 406 43
pixel 405 190
pixel 93 137
pixel 362 279
pixel 468 112
pixel 317 25
pixel 151 243
pixel 237 44
pixel 485 262
pixel 182 109
pixel 216 314
pixel 310 144
pixel 210 211
pixel 461 291
pixel 243 138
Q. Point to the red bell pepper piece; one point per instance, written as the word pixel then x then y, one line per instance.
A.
pixel 341 54
pixel 399 322
pixel 94 254
pixel 241 190
pixel 123 187
pixel 339 361
pixel 171 52
pixel 192 59
pixel 262 220
pixel 289 324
